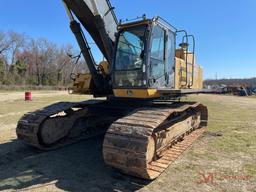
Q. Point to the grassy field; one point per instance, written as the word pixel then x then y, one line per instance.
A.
pixel 223 159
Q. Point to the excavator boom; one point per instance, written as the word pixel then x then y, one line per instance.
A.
pixel 99 19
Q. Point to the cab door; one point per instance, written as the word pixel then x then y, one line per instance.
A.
pixel 170 60
pixel 157 58
pixel 162 58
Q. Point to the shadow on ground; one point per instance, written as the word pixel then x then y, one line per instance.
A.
pixel 78 167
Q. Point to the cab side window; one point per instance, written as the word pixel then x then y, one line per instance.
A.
pixel 157 52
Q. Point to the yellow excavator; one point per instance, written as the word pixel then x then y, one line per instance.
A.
pixel 145 73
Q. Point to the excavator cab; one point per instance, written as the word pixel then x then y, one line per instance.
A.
pixel 144 58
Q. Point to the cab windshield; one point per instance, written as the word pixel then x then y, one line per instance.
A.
pixel 129 59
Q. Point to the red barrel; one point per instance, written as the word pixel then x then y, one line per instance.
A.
pixel 28 96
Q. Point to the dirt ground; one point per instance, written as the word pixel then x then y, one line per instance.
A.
pixel 222 160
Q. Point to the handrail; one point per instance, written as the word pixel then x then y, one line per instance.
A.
pixel 186 59
pixel 193 59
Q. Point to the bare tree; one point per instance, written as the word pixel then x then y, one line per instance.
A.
pixel 5 44
pixel 25 60
pixel 17 42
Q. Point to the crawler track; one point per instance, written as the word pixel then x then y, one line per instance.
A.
pixel 158 166
pixel 142 139
pixel 65 123
pixel 148 140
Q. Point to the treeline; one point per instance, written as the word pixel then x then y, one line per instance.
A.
pixel 249 82
pixel 39 62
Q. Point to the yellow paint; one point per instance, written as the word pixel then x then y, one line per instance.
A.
pixel 134 24
pixel 105 67
pixel 136 93
pixel 181 74
pixel 82 84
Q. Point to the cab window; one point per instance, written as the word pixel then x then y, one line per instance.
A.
pixel 157 52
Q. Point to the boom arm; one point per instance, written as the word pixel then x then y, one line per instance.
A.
pixel 99 19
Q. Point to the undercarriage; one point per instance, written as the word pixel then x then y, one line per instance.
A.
pixel 141 138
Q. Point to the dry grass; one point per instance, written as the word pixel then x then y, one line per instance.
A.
pixel 225 154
